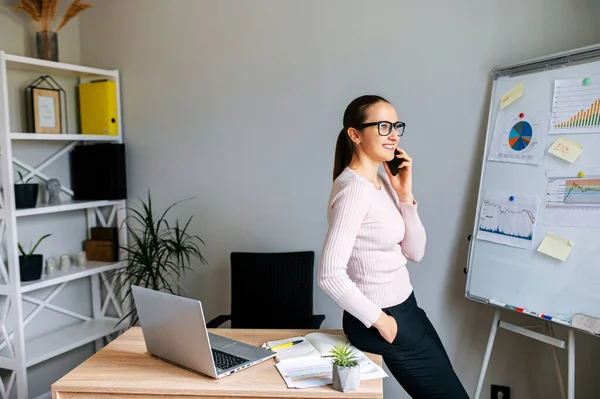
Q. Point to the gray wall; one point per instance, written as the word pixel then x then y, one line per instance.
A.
pixel 239 104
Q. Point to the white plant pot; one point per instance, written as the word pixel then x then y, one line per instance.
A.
pixel 345 379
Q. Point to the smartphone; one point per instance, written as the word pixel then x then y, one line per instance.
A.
pixel 395 163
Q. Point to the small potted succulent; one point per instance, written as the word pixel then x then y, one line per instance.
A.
pixel 346 371
pixel 30 263
pixel 26 194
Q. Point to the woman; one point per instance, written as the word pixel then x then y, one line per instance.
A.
pixel 374 229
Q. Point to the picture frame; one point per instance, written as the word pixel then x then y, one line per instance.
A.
pixel 46 103
pixel 46 110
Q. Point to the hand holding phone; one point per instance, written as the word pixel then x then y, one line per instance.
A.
pixel 395 163
pixel 399 171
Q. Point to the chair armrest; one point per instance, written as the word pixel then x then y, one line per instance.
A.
pixel 316 320
pixel 217 321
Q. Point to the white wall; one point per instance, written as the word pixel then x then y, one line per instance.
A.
pixel 17 36
pixel 239 104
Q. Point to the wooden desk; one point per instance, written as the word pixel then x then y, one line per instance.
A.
pixel 123 369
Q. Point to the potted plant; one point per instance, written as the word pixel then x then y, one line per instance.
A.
pixel 30 263
pixel 346 371
pixel 26 193
pixel 158 255
pixel 43 12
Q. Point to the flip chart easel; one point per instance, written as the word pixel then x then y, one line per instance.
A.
pixel 534 248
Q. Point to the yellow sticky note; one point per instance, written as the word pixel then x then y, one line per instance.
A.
pixel 566 149
pixel 555 247
pixel 512 95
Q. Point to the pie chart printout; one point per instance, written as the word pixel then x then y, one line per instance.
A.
pixel 520 136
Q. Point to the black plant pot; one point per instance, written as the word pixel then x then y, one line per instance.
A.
pixel 26 195
pixel 31 267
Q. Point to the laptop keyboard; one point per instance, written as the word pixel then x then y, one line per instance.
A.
pixel 225 361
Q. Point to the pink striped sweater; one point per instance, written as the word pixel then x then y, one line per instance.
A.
pixel 371 237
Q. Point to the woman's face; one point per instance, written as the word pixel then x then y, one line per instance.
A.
pixel 374 141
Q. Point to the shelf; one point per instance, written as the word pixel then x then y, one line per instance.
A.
pixel 63 137
pixel 65 207
pixel 50 67
pixel 45 346
pixel 58 342
pixel 74 273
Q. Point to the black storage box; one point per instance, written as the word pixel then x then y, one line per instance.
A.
pixel 98 172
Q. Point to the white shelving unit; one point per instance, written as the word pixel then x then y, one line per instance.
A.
pixel 86 329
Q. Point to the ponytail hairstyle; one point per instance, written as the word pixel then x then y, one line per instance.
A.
pixel 355 114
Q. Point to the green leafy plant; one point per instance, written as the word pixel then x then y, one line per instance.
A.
pixel 22 180
pixel 158 255
pixel 32 250
pixel 343 356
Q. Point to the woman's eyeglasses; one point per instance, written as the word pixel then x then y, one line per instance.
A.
pixel 384 127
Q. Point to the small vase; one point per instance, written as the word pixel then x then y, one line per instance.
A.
pixel 47 45
pixel 64 262
pixel 50 266
pixel 81 258
pixel 345 379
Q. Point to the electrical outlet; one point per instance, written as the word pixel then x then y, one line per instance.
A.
pixel 500 392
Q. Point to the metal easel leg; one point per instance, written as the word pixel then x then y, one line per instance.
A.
pixel 488 352
pixel 561 383
pixel 571 364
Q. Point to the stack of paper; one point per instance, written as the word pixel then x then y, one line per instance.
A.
pixel 309 362
pixel 305 373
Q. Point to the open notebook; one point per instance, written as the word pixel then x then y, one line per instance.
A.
pixel 313 346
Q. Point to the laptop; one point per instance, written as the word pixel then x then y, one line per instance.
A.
pixel 174 330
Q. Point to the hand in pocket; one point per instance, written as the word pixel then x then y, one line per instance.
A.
pixel 387 326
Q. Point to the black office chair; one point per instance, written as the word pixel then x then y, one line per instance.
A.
pixel 271 290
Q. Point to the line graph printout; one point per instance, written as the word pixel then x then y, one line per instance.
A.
pixel 576 106
pixel 520 137
pixel 508 222
pixel 572 200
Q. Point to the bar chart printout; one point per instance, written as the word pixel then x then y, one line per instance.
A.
pixel 576 106
pixel 508 220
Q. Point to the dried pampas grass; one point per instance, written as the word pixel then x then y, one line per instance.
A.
pixel 44 11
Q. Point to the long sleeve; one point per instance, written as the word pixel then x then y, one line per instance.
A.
pixel 348 210
pixel 413 244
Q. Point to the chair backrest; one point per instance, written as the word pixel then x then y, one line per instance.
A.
pixel 271 290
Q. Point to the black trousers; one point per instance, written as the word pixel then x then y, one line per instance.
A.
pixel 416 357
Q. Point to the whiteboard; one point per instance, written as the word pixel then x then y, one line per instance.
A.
pixel 517 276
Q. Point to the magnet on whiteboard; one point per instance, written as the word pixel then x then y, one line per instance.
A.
pixel 512 198
pixel 586 81
pixel 580 174
pixel 521 115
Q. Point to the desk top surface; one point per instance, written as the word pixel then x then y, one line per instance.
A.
pixel 125 367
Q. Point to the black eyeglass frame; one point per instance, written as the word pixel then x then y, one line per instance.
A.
pixel 398 125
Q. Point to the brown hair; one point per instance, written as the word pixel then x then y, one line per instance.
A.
pixel 355 114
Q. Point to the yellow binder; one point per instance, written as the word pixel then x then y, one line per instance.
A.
pixel 98 108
